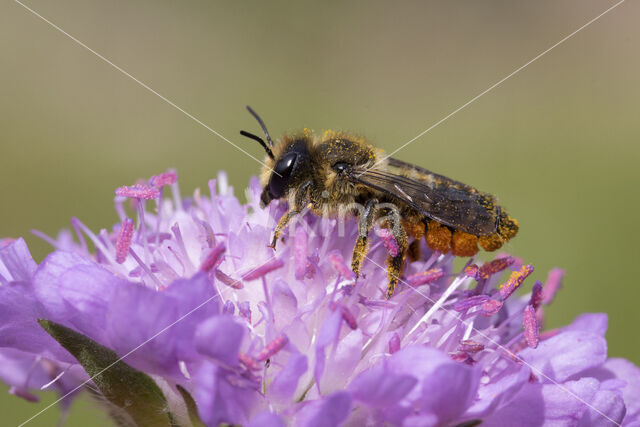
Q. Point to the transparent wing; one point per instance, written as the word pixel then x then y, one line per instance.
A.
pixel 449 202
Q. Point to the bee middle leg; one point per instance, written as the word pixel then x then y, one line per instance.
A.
pixel 362 244
pixel 300 201
pixel 396 263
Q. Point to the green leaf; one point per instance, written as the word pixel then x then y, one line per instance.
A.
pixel 125 387
pixel 192 408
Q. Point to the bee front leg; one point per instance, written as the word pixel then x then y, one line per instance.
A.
pixel 362 245
pixel 300 201
pixel 396 263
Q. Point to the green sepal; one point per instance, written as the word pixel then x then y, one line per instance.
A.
pixel 125 387
pixel 192 408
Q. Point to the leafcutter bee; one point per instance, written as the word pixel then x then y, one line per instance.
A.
pixel 339 169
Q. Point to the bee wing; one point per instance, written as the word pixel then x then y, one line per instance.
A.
pixel 449 202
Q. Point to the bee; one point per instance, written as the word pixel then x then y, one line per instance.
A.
pixel 339 169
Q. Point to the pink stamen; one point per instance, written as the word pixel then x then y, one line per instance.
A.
pixel 470 302
pixel 388 241
pixel 531 333
pixel 138 191
pixel 394 343
pixel 515 280
pixel 495 266
pixel 214 258
pixel 348 317
pixel 166 178
pixel 553 283
pixel 425 277
pixel 472 271
pixel 337 262
pixel 229 308
pixel 470 346
pixel 462 357
pixel 248 361
pixel 123 243
pixel 23 393
pixel 537 295
pixel 264 269
pixel 300 253
pixel 245 310
pixel 229 281
pixel 272 348
pixel 491 307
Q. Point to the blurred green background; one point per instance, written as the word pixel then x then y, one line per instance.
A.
pixel 557 142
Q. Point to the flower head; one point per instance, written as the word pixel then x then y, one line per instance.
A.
pixel 190 294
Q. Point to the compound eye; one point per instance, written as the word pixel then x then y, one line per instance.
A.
pixel 282 172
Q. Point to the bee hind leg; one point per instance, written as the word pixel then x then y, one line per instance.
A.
pixel 395 263
pixel 362 244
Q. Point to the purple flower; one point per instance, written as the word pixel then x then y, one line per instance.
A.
pixel 190 294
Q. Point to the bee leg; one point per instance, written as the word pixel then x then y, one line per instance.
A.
pixel 362 245
pixel 396 263
pixel 300 201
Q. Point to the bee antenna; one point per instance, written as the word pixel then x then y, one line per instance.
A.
pixel 262 125
pixel 260 140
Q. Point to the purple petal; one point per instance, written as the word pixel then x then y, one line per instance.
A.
pixel 76 292
pixel 379 388
pixel 266 419
pixel 19 311
pixel 17 261
pixel 165 321
pixel 328 412
pixel 614 370
pixel 220 338
pixel 550 404
pixel 498 393
pixel 219 401
pixel 343 362
pixel 286 381
pixel 439 378
pixel 565 355
pixel 595 323
pixel 606 407
pixel 328 334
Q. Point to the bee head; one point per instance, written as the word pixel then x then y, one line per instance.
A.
pixel 286 170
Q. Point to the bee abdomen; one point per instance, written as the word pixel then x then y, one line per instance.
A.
pixel 443 239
